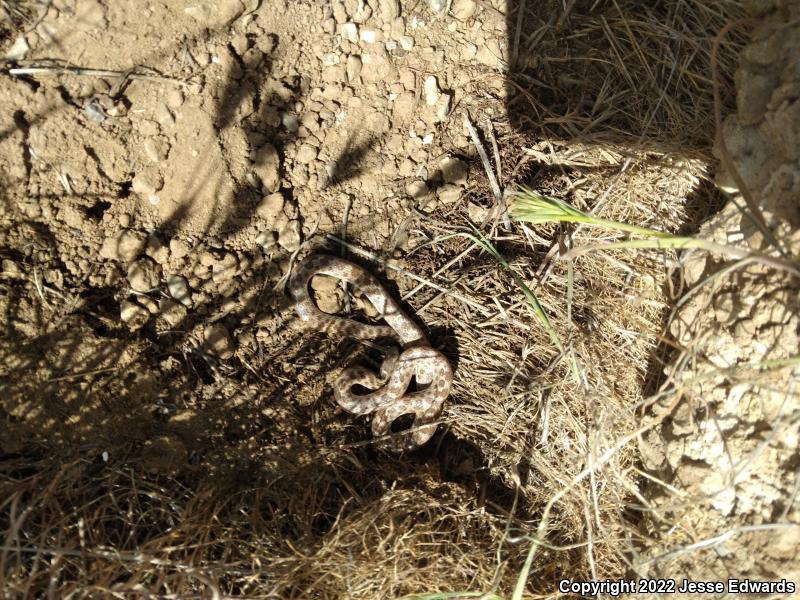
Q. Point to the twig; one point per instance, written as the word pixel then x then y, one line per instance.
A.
pixel 719 539
pixel 439 271
pixel 487 166
pixel 81 72
pixel 517 33
pixel 82 374
pixel 373 257
pixel 388 437
pixel 343 233
pixel 497 164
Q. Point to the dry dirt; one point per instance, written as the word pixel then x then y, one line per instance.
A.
pixel 167 425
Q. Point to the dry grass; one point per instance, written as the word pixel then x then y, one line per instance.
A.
pixel 18 16
pixel 529 427
pixel 618 71
pixel 82 528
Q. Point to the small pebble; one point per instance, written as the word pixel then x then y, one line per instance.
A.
pixel 225 268
pixel 178 288
pixel 431 90
pixel 270 207
pixel 389 10
pixel 178 248
pixel 306 154
pixel 350 32
pixel 125 247
pixel 353 68
pixel 363 12
pixel 172 312
pixel 266 239
pixel 443 107
pixel 289 237
pixel 417 189
pixel 398 28
pixel 454 170
pixel 290 123
pixel 266 164
pixel 449 193
pixel 463 9
pixel 133 314
pixel 217 341
pixel 369 36
pixel 144 275
pixel 477 214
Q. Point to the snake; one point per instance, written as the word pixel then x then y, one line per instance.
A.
pixel 388 397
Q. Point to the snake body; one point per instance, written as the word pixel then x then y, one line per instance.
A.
pixel 389 397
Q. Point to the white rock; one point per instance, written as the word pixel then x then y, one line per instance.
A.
pixel 353 68
pixel 438 6
pixel 406 42
pixel 132 314
pixel 18 49
pixel 431 90
pixel 350 32
pixel 289 237
pixel 463 9
pixel 290 122
pixel 369 36
pixel 179 289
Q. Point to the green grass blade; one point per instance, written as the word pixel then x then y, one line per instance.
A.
pixel 532 207
pixel 479 240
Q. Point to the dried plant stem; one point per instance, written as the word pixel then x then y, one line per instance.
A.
pixel 103 73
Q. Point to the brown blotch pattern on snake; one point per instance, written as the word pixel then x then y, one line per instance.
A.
pixel 389 397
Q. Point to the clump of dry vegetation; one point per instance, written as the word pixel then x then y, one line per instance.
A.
pixel 17 16
pixel 537 475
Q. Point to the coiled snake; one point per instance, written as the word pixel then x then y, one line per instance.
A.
pixel 389 398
